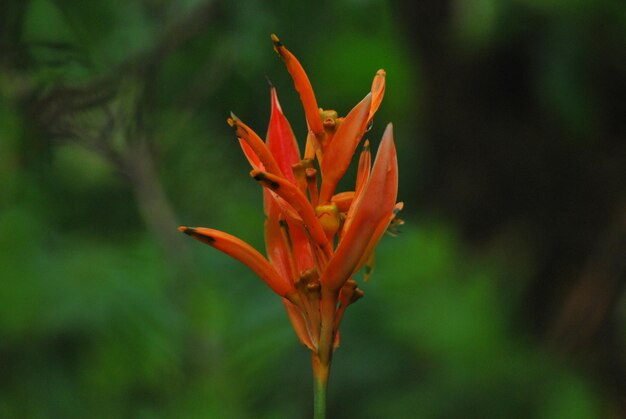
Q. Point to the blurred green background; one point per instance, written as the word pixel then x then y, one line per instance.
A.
pixel 502 297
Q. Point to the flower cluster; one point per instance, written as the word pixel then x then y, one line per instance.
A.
pixel 316 239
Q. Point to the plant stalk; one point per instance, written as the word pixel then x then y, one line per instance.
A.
pixel 320 384
pixel 323 356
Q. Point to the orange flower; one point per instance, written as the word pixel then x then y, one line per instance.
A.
pixel 316 239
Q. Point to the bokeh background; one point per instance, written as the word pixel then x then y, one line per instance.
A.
pixel 502 297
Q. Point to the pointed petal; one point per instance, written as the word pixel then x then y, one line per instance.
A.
pixel 293 257
pixel 245 133
pixel 339 152
pixel 281 140
pixel 244 253
pixel 290 193
pixel 375 209
pixel 278 253
pixel 378 91
pixel 303 86
pixel 301 247
pixel 252 157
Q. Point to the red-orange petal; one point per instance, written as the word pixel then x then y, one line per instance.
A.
pixel 245 133
pixel 244 253
pixel 375 208
pixel 252 157
pixel 290 193
pixel 339 152
pixel 378 91
pixel 301 247
pixel 303 86
pixel 278 252
pixel 280 139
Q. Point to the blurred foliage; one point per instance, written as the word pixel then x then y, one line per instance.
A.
pixel 112 131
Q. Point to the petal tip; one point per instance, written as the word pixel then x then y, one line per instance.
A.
pixel 199 233
pixel 187 230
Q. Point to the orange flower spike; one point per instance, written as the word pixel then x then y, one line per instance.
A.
pixel 290 193
pixel 378 91
pixel 244 253
pixel 339 152
pixel 303 86
pixel 280 139
pixel 375 209
pixel 245 133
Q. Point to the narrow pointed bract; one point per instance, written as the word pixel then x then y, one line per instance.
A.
pixel 378 91
pixel 280 139
pixel 258 147
pixel 244 253
pixel 316 238
pixel 303 86
pixel 372 214
pixel 339 152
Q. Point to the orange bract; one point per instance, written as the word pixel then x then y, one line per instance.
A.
pixel 315 240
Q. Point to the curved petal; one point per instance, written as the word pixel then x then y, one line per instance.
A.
pixel 252 157
pixel 339 152
pixel 301 247
pixel 278 250
pixel 245 133
pixel 378 91
pixel 375 209
pixel 303 86
pixel 288 247
pixel 244 253
pixel 280 139
pixel 290 193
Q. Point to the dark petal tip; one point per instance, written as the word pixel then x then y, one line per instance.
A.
pixel 276 41
pixel 187 230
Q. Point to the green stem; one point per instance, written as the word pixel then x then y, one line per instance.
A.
pixel 323 356
pixel 320 384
